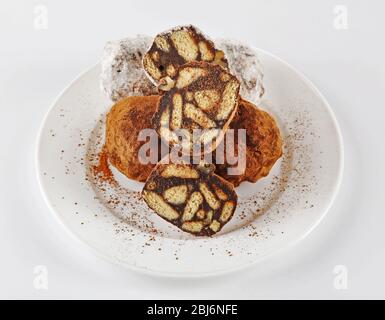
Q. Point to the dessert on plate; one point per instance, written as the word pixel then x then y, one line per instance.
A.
pixel 189 91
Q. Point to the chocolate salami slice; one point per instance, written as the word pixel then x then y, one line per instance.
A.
pixel 200 96
pixel 191 197
pixel 176 47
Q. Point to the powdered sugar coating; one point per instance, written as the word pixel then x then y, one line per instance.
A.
pixel 245 65
pixel 123 73
pixel 122 70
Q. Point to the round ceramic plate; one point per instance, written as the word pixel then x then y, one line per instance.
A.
pixel 272 214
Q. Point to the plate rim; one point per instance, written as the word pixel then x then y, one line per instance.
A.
pixel 173 274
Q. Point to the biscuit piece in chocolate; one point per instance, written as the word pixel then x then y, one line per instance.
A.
pixel 176 47
pixel 263 144
pixel 200 96
pixel 124 122
pixel 191 197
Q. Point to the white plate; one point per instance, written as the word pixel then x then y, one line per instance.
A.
pixel 116 223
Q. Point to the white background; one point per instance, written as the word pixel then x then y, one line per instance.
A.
pixel 346 65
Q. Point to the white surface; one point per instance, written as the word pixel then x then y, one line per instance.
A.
pixel 347 66
pixel 294 197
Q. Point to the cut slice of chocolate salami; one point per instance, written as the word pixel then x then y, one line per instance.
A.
pixel 200 96
pixel 175 47
pixel 191 197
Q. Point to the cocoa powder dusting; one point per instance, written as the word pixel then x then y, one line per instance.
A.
pixel 101 169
